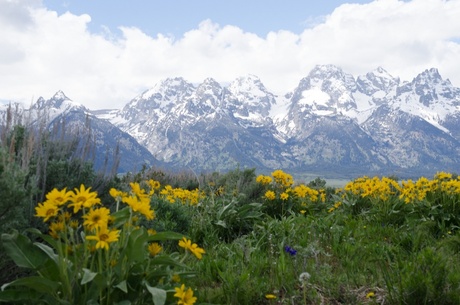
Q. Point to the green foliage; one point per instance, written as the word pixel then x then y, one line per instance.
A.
pixel 171 217
pixel 14 210
pixel 67 267
pixel 376 241
pixel 240 182
pixel 317 183
pixel 225 219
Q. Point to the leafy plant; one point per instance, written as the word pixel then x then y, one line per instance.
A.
pixel 93 256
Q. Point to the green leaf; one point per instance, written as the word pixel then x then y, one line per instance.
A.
pixel 22 251
pixel 36 283
pixel 158 295
pixel 50 270
pixel 45 237
pixel 122 286
pixel 167 235
pixel 48 251
pixel 121 217
pixel 167 261
pixel 135 250
pixel 124 302
pixel 221 223
pixel 88 276
pixel 226 210
pixel 13 295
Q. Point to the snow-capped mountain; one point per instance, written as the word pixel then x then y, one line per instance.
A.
pixel 99 141
pixel 332 122
pixel 207 127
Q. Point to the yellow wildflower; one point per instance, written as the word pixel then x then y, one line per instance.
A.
pixel 83 198
pixel 175 278
pixel 154 185
pixel 46 210
pixel 284 196
pixel 282 178
pixel 74 224
pixel 270 195
pixel 58 197
pixel 56 228
pixel 370 295
pixel 264 180
pixel 185 297
pixel 138 205
pixel 96 218
pixel 187 244
pixel 443 176
pixel 154 249
pixel 116 193
pixel 301 190
pixel 65 217
pixel 104 237
pixel 197 251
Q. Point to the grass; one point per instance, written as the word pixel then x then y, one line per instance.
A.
pixel 364 252
pixel 375 241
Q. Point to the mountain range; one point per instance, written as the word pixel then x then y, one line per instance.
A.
pixel 332 124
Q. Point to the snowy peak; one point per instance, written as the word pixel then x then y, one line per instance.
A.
pixel 53 107
pixel 154 103
pixel 330 76
pixel 206 99
pixel 375 81
pixel 250 98
pixel 247 85
pixel 327 90
pixel 428 77
pixel 60 96
pixel 428 89
pixel 164 92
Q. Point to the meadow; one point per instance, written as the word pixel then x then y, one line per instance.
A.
pixel 71 236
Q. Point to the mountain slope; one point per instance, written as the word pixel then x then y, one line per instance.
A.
pixel 206 127
pixel 110 149
pixel 331 123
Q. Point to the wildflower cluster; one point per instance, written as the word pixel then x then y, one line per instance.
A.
pixel 409 191
pixel 282 178
pixel 424 198
pixel 181 195
pixel 374 188
pixel 93 243
pixel 264 180
pixel 280 189
pixel 61 205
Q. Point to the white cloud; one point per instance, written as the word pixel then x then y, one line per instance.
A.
pixel 42 52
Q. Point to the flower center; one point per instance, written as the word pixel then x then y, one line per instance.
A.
pixel 103 237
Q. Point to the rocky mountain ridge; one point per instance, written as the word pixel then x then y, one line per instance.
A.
pixel 331 123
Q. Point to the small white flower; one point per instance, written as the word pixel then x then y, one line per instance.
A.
pixel 304 277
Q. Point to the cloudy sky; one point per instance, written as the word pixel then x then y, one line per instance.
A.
pixel 102 53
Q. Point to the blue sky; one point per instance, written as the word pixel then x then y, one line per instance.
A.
pixel 176 17
pixel 103 53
